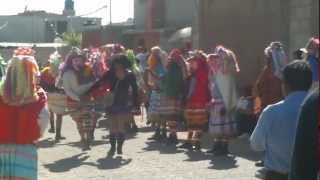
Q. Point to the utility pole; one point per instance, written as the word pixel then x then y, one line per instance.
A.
pixel 110 12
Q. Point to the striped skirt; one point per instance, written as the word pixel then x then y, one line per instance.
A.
pixel 221 124
pixel 153 110
pixel 169 108
pixel 196 118
pixel 84 116
pixel 18 162
pixel 57 103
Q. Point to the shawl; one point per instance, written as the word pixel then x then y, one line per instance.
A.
pixel 199 94
pixel 173 82
pixel 276 52
pixel 19 86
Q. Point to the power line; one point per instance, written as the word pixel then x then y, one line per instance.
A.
pixel 95 11
pixel 4 25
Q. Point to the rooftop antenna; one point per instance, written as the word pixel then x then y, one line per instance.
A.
pixel 26 6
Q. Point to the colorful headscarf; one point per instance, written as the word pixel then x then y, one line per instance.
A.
pixel 279 59
pixel 227 60
pixel 199 94
pixel 20 84
pixel 98 64
pixel 67 65
pixel 173 80
pixel 157 61
pixel 132 58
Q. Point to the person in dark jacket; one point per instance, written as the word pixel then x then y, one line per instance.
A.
pixel 125 102
pixel 305 160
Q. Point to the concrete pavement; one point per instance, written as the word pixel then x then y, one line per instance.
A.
pixel 142 159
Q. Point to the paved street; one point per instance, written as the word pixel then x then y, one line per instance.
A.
pixel 142 159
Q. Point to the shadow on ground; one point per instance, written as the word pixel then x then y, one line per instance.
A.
pixel 197 156
pixel 69 163
pixel 112 163
pixel 223 162
pixel 161 147
pixel 46 143
pixel 80 145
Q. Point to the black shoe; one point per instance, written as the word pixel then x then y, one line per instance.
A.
pixel 163 138
pixel 215 147
pixel 172 140
pixel 155 136
pixel 197 146
pixel 259 164
pixel 51 130
pixel 186 145
pixel 222 151
pixel 59 137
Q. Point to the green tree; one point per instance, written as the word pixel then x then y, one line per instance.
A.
pixel 72 39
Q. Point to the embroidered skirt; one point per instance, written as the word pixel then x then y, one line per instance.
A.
pixel 169 108
pixel 18 162
pixel 221 124
pixel 197 118
pixel 57 103
pixel 84 115
pixel 153 110
pixel 119 122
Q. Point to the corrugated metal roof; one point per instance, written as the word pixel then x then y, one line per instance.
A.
pixel 44 45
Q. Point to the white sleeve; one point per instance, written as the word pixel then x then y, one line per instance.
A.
pixel 43 119
pixel 68 81
pixel 72 87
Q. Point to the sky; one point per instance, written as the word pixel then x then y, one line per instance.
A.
pixel 121 9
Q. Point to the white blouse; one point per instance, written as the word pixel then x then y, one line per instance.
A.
pixel 71 86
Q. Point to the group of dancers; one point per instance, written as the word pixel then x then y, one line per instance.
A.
pixel 191 88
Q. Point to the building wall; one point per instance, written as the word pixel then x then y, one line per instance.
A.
pixel 177 13
pixel 22 29
pixel 246 27
pixel 304 22
pixel 180 13
pixel 37 28
pixel 140 13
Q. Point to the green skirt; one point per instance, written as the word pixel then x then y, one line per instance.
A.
pixel 18 162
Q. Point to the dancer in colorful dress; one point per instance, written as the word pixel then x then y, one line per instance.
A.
pixel 268 86
pixel 198 98
pixel 56 96
pixel 153 75
pixel 222 125
pixel 172 93
pixel 135 69
pixel 77 79
pixel 24 117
